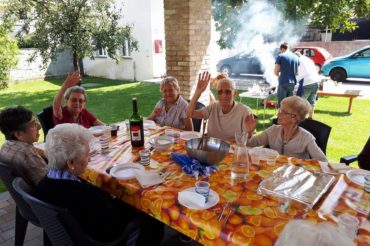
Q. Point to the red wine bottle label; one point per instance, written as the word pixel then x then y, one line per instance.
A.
pixel 135 133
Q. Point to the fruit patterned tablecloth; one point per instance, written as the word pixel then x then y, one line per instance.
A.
pixel 253 220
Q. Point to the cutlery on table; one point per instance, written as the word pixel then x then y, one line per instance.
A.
pixel 223 210
pixel 232 209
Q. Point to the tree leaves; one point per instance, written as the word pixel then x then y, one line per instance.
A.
pixel 80 26
pixel 321 14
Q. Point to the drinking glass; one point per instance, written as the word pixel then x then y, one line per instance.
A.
pixel 113 130
pixel 348 224
pixel 202 188
pixel 144 157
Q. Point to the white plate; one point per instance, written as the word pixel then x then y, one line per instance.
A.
pixel 189 135
pixel 125 171
pixel 213 199
pixel 357 176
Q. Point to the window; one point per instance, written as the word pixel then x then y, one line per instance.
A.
pixel 126 51
pixel 101 52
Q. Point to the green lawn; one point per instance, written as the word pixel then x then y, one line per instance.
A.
pixel 111 102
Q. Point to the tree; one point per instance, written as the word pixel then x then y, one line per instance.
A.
pixel 81 26
pixel 8 53
pixel 320 13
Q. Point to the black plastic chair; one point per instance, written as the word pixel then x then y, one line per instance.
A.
pixel 197 123
pixel 46 119
pixel 362 158
pixel 61 227
pixel 318 129
pixel 24 212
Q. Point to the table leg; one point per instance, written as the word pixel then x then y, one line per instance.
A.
pixel 350 105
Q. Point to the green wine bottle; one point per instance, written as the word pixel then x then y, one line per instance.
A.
pixel 136 126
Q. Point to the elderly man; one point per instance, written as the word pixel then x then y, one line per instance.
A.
pixel 286 68
pixel 21 130
pixel 225 118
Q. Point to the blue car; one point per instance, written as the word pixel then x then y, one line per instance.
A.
pixel 354 65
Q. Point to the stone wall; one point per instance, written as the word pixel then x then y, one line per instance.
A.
pixel 34 70
pixel 188 34
pixel 338 48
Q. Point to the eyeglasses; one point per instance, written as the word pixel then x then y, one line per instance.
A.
pixel 282 112
pixel 75 100
pixel 227 92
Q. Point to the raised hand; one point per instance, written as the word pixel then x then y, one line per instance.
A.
pixel 72 79
pixel 203 81
pixel 157 111
pixel 250 123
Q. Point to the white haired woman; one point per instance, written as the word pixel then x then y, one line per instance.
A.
pixel 225 118
pixel 170 110
pixel 101 216
pixel 75 99
pixel 288 138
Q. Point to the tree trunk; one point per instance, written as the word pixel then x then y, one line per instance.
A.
pixel 81 66
pixel 75 62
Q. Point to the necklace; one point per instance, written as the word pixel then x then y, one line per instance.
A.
pixel 286 141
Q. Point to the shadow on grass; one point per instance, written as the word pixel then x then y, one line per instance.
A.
pixel 333 113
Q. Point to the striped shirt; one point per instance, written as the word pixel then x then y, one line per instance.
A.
pixel 24 159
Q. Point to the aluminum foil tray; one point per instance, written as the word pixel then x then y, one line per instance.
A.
pixel 292 182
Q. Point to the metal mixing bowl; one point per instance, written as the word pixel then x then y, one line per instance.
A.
pixel 212 150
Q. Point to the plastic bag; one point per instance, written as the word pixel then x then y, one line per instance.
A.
pixel 305 233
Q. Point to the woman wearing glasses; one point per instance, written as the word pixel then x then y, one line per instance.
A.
pixel 288 138
pixel 170 110
pixel 225 117
pixel 75 98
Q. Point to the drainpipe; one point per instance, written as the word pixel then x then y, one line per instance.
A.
pixel 326 34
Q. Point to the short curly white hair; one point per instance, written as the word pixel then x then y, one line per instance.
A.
pixel 66 142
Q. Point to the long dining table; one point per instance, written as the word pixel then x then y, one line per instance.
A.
pixel 250 218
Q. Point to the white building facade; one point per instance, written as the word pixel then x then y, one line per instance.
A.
pixel 147 19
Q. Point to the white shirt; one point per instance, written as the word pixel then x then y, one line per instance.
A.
pixel 307 71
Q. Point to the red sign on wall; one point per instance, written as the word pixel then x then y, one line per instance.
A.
pixel 158 48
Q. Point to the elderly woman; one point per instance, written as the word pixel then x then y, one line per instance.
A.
pixel 225 118
pixel 288 138
pixel 75 98
pixel 101 216
pixel 170 110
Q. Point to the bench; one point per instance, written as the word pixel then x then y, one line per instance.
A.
pixel 348 93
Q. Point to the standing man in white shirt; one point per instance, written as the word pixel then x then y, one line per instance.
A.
pixel 308 79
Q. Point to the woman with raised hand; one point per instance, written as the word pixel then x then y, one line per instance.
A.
pixel 75 99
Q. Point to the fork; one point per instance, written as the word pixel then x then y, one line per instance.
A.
pixel 232 209
pixel 223 210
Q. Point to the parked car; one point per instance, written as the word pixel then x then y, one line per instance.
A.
pixel 317 54
pixel 354 65
pixel 242 63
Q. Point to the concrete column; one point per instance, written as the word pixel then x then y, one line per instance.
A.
pixel 188 34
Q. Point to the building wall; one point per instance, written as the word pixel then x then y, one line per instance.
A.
pixel 147 19
pixel 338 48
pixel 35 70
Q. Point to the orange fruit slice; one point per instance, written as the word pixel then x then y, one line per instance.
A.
pixel 254 220
pixel 279 227
pixel 248 231
pixel 269 212
pixel 254 197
